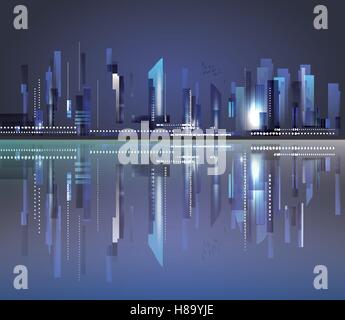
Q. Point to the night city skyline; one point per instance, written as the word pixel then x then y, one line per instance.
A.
pixel 169 154
pixel 272 105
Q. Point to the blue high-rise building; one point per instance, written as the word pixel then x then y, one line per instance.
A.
pixel 186 99
pixel 240 111
pixel 156 78
pixel 83 112
pixel 307 96
pixel 284 94
pixel 334 105
pixel 272 105
pixel 215 106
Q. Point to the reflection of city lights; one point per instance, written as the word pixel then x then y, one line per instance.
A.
pixel 255 168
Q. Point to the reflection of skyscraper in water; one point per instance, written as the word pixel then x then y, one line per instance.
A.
pixel 337 186
pixel 287 224
pixel 51 208
pixel 156 237
pixel 38 184
pixel 118 221
pixel 294 177
pixel 187 200
pixel 308 169
pixel 270 214
pixel 25 212
pixel 296 217
pixel 264 196
pixel 68 209
pixel 300 225
pixel 215 199
pixel 83 196
pixel 53 219
pixel 196 184
pixel 157 175
pixel 83 181
pixel 58 245
pixel 19 170
pixel 236 194
pixel 215 193
pixel 273 196
pixel 191 189
pixel 256 195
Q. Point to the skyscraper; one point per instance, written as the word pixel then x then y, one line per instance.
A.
pixel 117 83
pixel 296 112
pixel 334 105
pixel 118 87
pixel 25 87
pixel 260 109
pixel 307 96
pixel 284 78
pixel 232 101
pixel 83 112
pixel 49 96
pixel 240 111
pixel 186 99
pixel 216 101
pixel 272 105
pixel 156 81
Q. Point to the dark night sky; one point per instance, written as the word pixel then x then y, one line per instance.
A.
pixel 229 34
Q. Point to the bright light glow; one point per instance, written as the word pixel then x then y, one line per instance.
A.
pixel 255 169
pixel 254 117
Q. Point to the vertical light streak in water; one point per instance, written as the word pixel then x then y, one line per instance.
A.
pixel 68 202
pixel 79 250
pixel 301 226
pixel 287 225
pixel 97 195
pixel 165 202
pixel 57 251
pixel 245 200
pixel 337 188
pixel 39 209
pixel 35 197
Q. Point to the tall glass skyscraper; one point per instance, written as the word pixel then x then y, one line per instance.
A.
pixel 156 92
